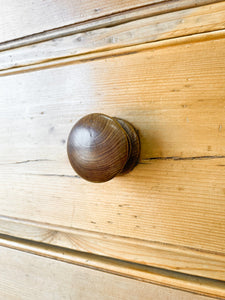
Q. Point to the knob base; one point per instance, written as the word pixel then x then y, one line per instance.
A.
pixel 134 145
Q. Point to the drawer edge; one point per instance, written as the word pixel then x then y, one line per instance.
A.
pixel 185 260
pixel 199 285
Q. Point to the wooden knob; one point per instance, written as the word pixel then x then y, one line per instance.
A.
pixel 100 147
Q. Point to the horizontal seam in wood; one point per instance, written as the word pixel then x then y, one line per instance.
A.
pixel 54 33
pixel 106 16
pixel 98 235
pixel 106 54
pixel 201 285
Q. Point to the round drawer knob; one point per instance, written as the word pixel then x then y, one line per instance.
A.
pixel 100 147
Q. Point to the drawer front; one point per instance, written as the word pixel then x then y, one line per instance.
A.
pixel 167 213
pixel 175 196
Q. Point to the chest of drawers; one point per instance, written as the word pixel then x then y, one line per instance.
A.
pixel 159 65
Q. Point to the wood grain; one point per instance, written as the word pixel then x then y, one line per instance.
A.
pixel 174 98
pixel 24 268
pixel 105 35
pixel 175 202
pixel 46 15
pixel 173 257
pixel 174 95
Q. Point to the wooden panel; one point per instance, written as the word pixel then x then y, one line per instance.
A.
pixel 19 18
pixel 26 276
pixel 173 257
pixel 173 96
pixel 175 202
pixel 90 38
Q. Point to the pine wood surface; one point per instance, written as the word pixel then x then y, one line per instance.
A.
pixel 160 66
pixel 26 276
pixel 174 95
pixel 45 15
pixel 116 32
pixel 184 260
pixel 21 19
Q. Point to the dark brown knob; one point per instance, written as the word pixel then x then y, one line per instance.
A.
pixel 100 147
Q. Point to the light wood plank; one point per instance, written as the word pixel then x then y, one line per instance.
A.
pixel 172 95
pixel 27 276
pixel 173 257
pixel 174 98
pixel 165 26
pixel 175 202
pixel 46 15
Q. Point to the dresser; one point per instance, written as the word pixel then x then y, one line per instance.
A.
pixel 156 232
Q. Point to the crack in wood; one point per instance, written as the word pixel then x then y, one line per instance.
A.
pixel 182 158
pixel 54 175
pixel 25 161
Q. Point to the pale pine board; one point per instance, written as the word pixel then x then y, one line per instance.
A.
pixel 21 18
pixel 106 34
pixel 180 259
pixel 173 95
pixel 26 276
pixel 179 202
